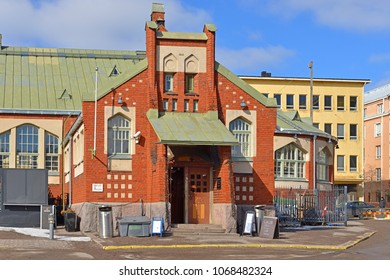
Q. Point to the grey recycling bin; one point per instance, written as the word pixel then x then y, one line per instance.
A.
pixel 105 221
pixel 259 210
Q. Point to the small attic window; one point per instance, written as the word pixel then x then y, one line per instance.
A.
pixel 65 95
pixel 114 72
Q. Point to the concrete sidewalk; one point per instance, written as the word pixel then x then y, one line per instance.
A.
pixel 314 237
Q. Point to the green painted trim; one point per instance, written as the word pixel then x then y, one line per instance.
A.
pixel 182 36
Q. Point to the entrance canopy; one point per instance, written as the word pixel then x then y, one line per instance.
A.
pixel 175 128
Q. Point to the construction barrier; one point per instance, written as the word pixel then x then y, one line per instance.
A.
pixel 375 214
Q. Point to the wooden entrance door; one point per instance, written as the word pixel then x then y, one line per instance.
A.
pixel 199 195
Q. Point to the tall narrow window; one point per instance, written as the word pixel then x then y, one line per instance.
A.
pixel 302 101
pixel 352 163
pixel 118 136
pixel 340 131
pixel 340 103
pixel 289 162
pixel 290 101
pixel 379 108
pixel 51 150
pixel 378 129
pixel 195 105
pixel 27 146
pixel 189 86
pixel 323 165
pixel 242 131
pixel 378 174
pixel 4 150
pixel 278 98
pixel 316 102
pixel 353 132
pixel 378 152
pixel 168 82
pixel 340 163
pixel 174 104
pixel 328 102
pixel 353 103
pixel 165 104
pixel 186 105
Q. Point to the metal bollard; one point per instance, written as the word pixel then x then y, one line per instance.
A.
pixel 51 225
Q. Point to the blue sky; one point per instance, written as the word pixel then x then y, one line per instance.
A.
pixel 344 38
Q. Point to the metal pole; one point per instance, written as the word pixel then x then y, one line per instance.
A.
pixel 311 89
pixel 51 226
pixel 94 128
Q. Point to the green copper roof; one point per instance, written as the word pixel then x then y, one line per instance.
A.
pixel 58 79
pixel 292 122
pixel 190 128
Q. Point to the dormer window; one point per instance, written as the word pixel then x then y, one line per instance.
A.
pixel 168 82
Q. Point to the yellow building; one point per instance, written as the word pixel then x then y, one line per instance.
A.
pixel 337 109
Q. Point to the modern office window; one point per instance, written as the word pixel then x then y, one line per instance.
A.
pixel 340 163
pixel 378 130
pixel 27 146
pixel 328 128
pixel 352 163
pixel 340 103
pixel 189 86
pixel 289 101
pixel 165 104
pixel 378 174
pixel 241 129
pixel 323 165
pixel 119 135
pixel 290 162
pixel 353 134
pixel 174 104
pixel 51 150
pixel 379 108
pixel 278 98
pixel 353 103
pixel 186 105
pixel 316 102
pixel 195 105
pixel 4 150
pixel 302 101
pixel 340 131
pixel 378 152
pixel 169 82
pixel 328 102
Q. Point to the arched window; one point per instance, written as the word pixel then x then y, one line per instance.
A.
pixel 51 150
pixel 119 136
pixel 290 162
pixel 4 150
pixel 242 131
pixel 27 146
pixel 323 165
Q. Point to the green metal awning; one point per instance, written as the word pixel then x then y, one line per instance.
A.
pixel 175 128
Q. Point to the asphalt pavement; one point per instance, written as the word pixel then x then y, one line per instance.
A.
pixel 335 237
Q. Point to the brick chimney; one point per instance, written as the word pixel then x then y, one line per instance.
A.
pixel 158 16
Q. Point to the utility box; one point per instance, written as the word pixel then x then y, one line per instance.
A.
pixel 46 210
pixel 134 226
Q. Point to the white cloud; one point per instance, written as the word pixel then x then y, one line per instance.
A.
pixel 254 59
pixel 98 24
pixel 354 15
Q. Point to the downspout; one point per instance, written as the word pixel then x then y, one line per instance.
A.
pixel 382 148
pixel 63 164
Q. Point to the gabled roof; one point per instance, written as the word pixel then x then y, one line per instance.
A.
pixel 58 79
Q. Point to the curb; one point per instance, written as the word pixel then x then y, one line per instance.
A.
pixel 343 246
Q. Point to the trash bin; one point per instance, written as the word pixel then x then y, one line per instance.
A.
pixel 70 220
pixel 259 210
pixel 105 221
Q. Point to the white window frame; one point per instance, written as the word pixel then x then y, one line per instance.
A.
pixel 290 162
pixel 51 153
pixel 377 130
pixel 27 145
pixel 379 108
pixel 328 107
pixel 290 101
pixel 340 103
pixel 353 137
pixel 340 134
pixel 119 136
pixel 378 152
pixel 168 85
pixel 323 165
pixel 353 169
pixel 242 130
pixel 4 149
pixel 340 163
pixel 353 108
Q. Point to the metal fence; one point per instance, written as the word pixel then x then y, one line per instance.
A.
pixel 296 207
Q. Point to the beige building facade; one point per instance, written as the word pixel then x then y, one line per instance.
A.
pixel 336 107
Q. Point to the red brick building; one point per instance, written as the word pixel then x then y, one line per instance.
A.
pixel 168 132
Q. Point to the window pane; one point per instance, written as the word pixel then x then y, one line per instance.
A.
pixel 353 163
pixel 119 135
pixel 340 163
pixel 328 128
pixel 302 101
pixel 316 102
pixel 340 131
pixel 242 131
pixel 353 131
pixel 328 102
pixel 340 103
pixel 278 98
pixel 27 146
pixel 290 101
pixel 353 103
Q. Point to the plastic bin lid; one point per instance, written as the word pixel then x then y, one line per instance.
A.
pixel 134 219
